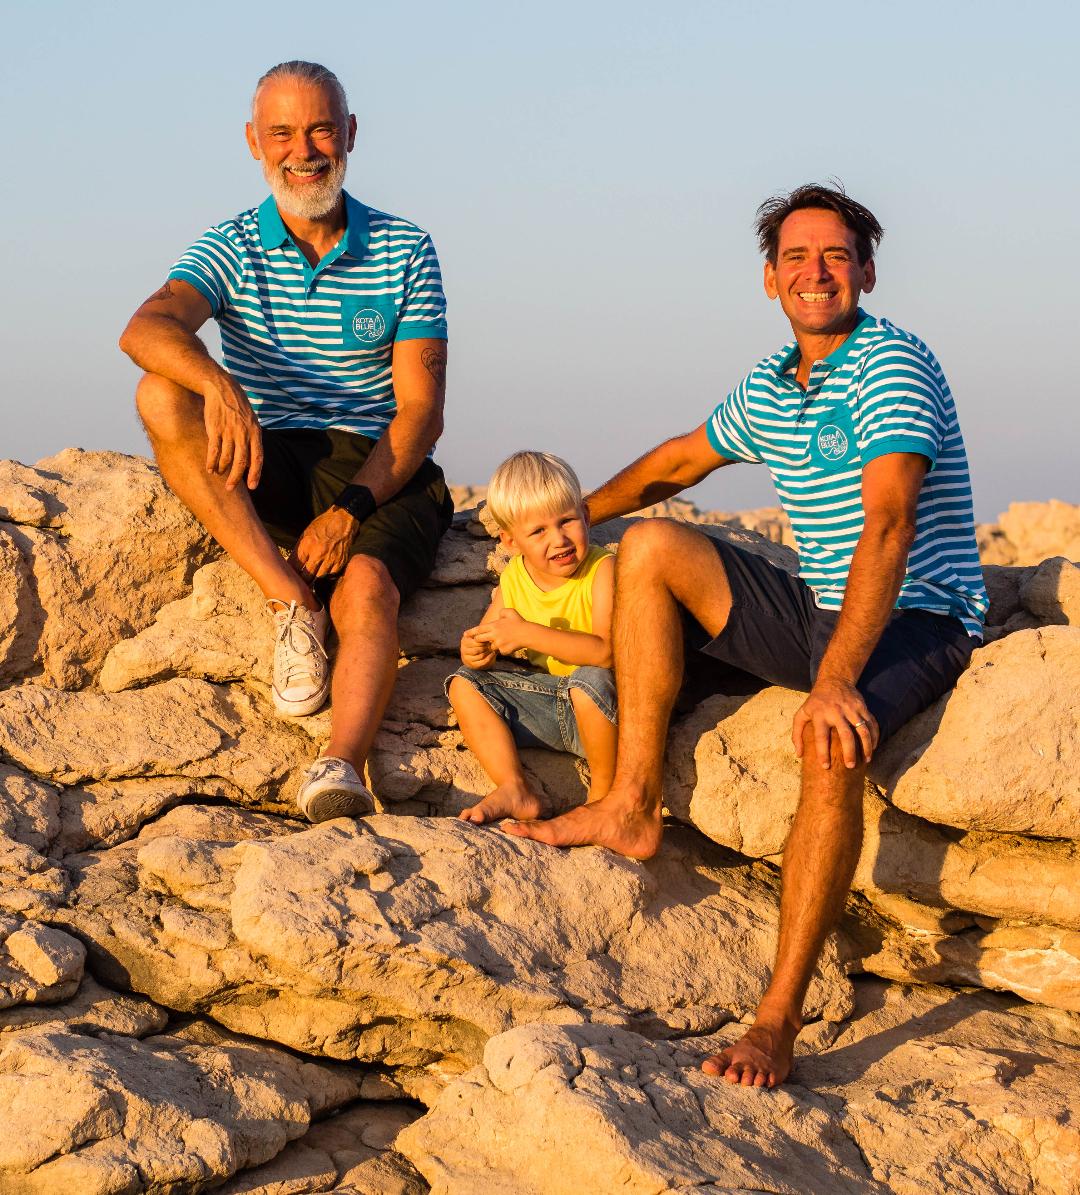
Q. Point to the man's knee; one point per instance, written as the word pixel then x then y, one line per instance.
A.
pixel 662 548
pixel 366 582
pixel 167 410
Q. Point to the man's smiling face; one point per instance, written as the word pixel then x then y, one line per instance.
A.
pixel 302 139
pixel 817 276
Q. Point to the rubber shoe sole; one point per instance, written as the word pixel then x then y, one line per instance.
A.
pixel 337 802
pixel 301 709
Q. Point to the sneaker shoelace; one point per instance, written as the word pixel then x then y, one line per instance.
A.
pixel 297 647
pixel 328 769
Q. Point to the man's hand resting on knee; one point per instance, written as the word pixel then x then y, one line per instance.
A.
pixel 324 547
pixel 836 707
pixel 233 435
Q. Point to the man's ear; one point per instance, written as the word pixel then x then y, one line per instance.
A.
pixel 869 277
pixel 769 280
pixel 252 141
pixel 352 134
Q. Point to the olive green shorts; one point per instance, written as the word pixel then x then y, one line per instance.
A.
pixel 305 469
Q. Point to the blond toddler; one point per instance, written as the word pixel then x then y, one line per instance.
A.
pixel 554 601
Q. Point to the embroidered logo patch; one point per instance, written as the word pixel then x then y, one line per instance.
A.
pixel 368 325
pixel 832 442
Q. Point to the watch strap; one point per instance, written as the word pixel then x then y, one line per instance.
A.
pixel 357 500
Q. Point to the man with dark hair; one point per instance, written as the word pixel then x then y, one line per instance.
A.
pixel 317 433
pixel 856 423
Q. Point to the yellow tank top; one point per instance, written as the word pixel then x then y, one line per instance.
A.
pixel 568 607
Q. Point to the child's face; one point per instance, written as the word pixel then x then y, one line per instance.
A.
pixel 553 544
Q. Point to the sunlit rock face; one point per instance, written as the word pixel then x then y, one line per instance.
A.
pixel 198 990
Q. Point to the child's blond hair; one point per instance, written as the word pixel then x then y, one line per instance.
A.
pixel 531 483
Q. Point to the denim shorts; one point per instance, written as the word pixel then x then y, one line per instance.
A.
pixel 777 632
pixel 537 706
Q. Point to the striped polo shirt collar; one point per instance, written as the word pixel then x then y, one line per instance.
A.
pixel 273 233
pixel 787 359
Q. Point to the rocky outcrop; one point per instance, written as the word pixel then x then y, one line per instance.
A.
pixel 91 546
pixel 412 941
pixel 1030 532
pixel 926 1091
pixel 158 897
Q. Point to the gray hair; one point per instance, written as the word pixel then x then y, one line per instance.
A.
pixel 305 72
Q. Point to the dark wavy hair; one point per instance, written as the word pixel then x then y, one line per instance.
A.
pixel 861 220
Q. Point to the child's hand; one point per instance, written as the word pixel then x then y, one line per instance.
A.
pixel 506 634
pixel 474 653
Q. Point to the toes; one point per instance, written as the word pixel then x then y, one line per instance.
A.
pixel 760 1079
pixel 714 1064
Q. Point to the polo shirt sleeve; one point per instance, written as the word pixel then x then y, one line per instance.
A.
pixel 729 430
pixel 423 312
pixel 213 266
pixel 902 403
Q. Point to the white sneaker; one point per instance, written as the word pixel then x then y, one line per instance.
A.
pixel 301 669
pixel 331 788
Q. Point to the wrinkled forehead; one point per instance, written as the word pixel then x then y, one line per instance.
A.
pixel 814 226
pixel 289 95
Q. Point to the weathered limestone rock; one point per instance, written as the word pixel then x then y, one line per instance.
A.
pixel 557 1110
pixel 1002 751
pixel 102 545
pixel 30 882
pixel 412 940
pixel 177 1112
pixel 352 1151
pixel 1038 530
pixel 1052 592
pixel 38 964
pixel 222 736
pixel 732 772
pixel 92 1010
pixel 219 632
pixel 925 1091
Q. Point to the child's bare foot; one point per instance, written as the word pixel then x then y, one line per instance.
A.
pixel 513 799
pixel 761 1057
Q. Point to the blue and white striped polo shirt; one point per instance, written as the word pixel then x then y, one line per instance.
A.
pixel 312 346
pixel 881 391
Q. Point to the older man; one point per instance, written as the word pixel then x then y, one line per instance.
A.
pixel 856 423
pixel 318 431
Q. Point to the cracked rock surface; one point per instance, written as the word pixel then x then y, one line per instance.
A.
pixel 200 991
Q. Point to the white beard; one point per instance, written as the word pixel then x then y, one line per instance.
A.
pixel 310 201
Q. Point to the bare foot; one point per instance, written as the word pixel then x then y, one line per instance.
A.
pixel 508 800
pixel 761 1057
pixel 630 831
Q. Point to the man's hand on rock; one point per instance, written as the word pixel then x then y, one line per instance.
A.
pixel 233 435
pixel 323 548
pixel 836 707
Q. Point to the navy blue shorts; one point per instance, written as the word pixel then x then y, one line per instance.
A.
pixel 777 633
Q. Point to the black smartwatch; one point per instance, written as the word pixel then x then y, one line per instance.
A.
pixel 357 500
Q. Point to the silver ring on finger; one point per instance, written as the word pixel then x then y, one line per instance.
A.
pixel 858 724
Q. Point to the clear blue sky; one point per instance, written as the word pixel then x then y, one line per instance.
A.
pixel 589 172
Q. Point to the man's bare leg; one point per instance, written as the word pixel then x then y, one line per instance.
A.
pixel 599 738
pixel 364 610
pixel 491 741
pixel 173 420
pixel 660 566
pixel 820 855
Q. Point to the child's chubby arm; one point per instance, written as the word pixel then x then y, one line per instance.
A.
pixel 507 631
pixel 476 652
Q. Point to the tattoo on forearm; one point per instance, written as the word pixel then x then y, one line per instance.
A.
pixel 434 361
pixel 165 293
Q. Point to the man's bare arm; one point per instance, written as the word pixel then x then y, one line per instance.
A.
pixel 161 338
pixel 662 473
pixel 890 494
pixel 419 391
